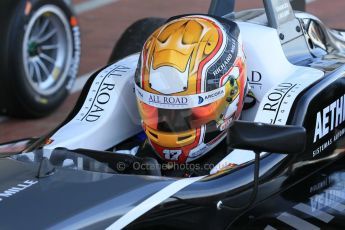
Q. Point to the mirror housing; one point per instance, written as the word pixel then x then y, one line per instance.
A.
pixel 260 137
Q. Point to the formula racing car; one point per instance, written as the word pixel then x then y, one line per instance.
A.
pixel 281 167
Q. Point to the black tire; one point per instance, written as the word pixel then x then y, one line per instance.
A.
pixel 20 95
pixel 134 37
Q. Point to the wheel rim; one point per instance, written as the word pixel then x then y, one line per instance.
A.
pixel 47 50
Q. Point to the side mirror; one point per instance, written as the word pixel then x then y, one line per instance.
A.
pixel 260 137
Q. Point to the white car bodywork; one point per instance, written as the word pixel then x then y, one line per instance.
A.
pixel 108 119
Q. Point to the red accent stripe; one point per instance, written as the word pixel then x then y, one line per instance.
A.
pixel 238 64
pixel 224 76
pixel 217 138
pixel 206 60
pixel 143 67
pixel 243 80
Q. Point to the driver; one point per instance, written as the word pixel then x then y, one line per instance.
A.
pixel 190 86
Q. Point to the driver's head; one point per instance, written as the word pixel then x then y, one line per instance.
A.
pixel 190 85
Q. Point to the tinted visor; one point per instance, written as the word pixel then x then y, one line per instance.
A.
pixel 178 120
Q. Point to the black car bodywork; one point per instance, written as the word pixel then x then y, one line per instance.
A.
pixel 300 190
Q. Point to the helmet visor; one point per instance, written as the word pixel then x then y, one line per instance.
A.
pixel 178 120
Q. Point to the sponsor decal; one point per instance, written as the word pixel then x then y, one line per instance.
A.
pixel 216 94
pixel 100 93
pixel 275 97
pixel 202 148
pixel 211 96
pixel 321 185
pixel 161 100
pixel 220 64
pixel 327 120
pixel 255 80
pixel 179 102
pixel 73 71
pixel 156 99
pixel 228 60
pixel 322 147
pixel 201 100
pixel 101 99
pixel 16 189
pixel 283 11
pixel 276 105
pixel 329 142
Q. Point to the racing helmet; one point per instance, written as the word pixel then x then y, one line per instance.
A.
pixel 190 85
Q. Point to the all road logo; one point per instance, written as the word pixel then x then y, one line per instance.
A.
pixel 179 102
pixel 327 120
pixel 277 103
pixel 161 100
pixel 276 96
pixel 168 100
pixel 100 94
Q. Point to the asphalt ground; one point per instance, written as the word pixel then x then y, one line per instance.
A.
pixel 102 23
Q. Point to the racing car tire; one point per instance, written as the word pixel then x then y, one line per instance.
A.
pixel 40 54
pixel 134 37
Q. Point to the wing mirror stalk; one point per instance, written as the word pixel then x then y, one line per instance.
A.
pixel 260 137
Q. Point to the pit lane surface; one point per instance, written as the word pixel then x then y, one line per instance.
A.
pixel 102 23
